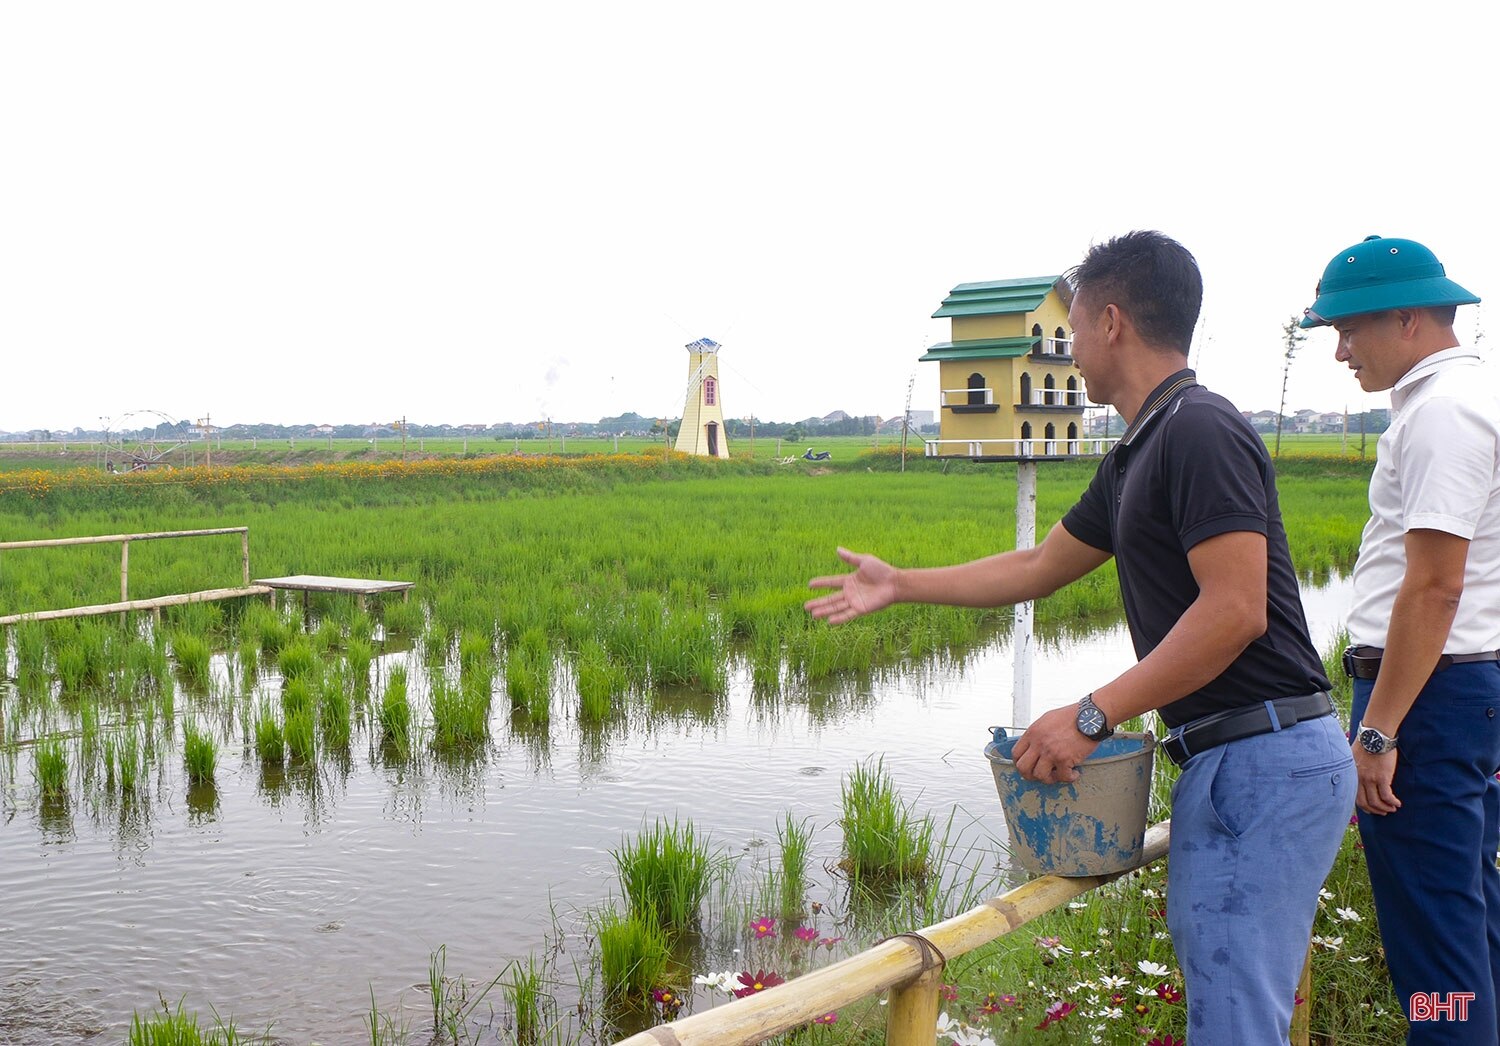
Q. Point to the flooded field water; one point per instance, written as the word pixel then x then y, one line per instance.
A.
pixel 288 899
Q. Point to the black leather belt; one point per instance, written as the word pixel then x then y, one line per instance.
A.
pixel 1223 727
pixel 1363 662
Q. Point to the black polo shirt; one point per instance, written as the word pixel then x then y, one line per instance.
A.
pixel 1188 468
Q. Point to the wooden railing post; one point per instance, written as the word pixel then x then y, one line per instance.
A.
pixel 245 553
pixel 912 1010
pixel 1302 1015
pixel 124 571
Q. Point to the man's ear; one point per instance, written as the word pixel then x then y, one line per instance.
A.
pixel 1114 322
pixel 1410 320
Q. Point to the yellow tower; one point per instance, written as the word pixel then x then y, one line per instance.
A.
pixel 1009 384
pixel 702 429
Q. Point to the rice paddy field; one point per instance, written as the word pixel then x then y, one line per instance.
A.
pixel 599 755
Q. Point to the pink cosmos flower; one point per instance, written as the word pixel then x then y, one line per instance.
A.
pixel 1058 1011
pixel 763 927
pixel 758 981
pixel 827 1018
pixel 806 933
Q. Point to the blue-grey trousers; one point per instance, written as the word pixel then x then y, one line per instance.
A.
pixel 1432 862
pixel 1256 824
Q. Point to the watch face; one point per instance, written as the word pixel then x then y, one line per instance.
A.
pixel 1090 722
pixel 1371 741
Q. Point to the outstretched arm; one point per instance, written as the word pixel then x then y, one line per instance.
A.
pixel 999 580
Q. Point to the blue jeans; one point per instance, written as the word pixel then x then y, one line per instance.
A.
pixel 1432 862
pixel 1256 824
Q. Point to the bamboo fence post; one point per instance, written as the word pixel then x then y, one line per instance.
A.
pixel 124 571
pixel 245 554
pixel 912 1010
pixel 1302 1015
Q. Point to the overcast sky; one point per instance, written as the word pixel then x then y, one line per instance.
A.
pixel 339 212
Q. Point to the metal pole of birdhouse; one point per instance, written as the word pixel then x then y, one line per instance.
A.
pixel 1023 640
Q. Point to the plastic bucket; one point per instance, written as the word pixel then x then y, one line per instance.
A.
pixel 1093 826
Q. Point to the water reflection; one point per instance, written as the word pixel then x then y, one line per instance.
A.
pixel 399 848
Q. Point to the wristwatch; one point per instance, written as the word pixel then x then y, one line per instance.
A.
pixel 1090 721
pixel 1373 741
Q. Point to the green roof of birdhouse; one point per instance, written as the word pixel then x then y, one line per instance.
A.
pixel 997 297
pixel 979 349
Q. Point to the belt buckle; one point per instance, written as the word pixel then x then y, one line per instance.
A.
pixel 1348 659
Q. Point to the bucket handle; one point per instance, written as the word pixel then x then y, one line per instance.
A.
pixel 1000 733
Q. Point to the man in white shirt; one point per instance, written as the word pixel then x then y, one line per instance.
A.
pixel 1425 635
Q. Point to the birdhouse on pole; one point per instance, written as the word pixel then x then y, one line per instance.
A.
pixel 702 430
pixel 1010 389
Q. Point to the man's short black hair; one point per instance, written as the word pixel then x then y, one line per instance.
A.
pixel 1151 277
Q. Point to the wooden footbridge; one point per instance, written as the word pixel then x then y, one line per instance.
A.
pixel 360 588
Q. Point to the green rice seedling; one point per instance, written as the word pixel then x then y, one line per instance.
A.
pixel 297 659
pixel 192 655
pixel 790 877
pixel 358 655
pixel 600 683
pixel 248 656
pixel 51 769
pixel 271 630
pixel 296 696
pixel 31 648
pixel 270 740
pixel 301 745
pixel 476 653
pixel 131 762
pixel 384 1031
pixel 460 715
pixel 633 953
pixel 526 993
pixel 200 754
pixel 334 712
pixel 328 636
pixel 176 1028
pixel 666 870
pixel 406 618
pixel 88 728
pixel 72 667
pixel 884 840
pixel 395 710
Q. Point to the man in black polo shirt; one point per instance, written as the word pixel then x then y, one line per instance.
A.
pixel 1186 504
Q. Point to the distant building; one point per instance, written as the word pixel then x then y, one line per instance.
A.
pixel 702 430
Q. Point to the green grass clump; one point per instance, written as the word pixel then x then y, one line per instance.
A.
pixel 200 754
pixel 296 696
pixel 460 715
pixel 404 618
pixel 395 710
pixel 884 840
pixel 297 660
pixel 601 683
pixel 789 879
pixel 633 953
pixel 526 993
pixel 51 769
pixel 358 655
pixel 665 872
pixel 192 654
pixel 335 712
pixel 301 744
pixel 270 740
pixel 175 1028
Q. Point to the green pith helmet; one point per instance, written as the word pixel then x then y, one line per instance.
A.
pixel 1380 274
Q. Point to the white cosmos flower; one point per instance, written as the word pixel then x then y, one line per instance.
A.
pixel 1151 969
pixel 1326 894
pixel 1113 983
pixel 1349 915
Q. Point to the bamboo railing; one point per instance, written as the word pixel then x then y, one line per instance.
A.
pixel 909 966
pixel 126 603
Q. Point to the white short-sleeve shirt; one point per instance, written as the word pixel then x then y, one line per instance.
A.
pixel 1436 468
